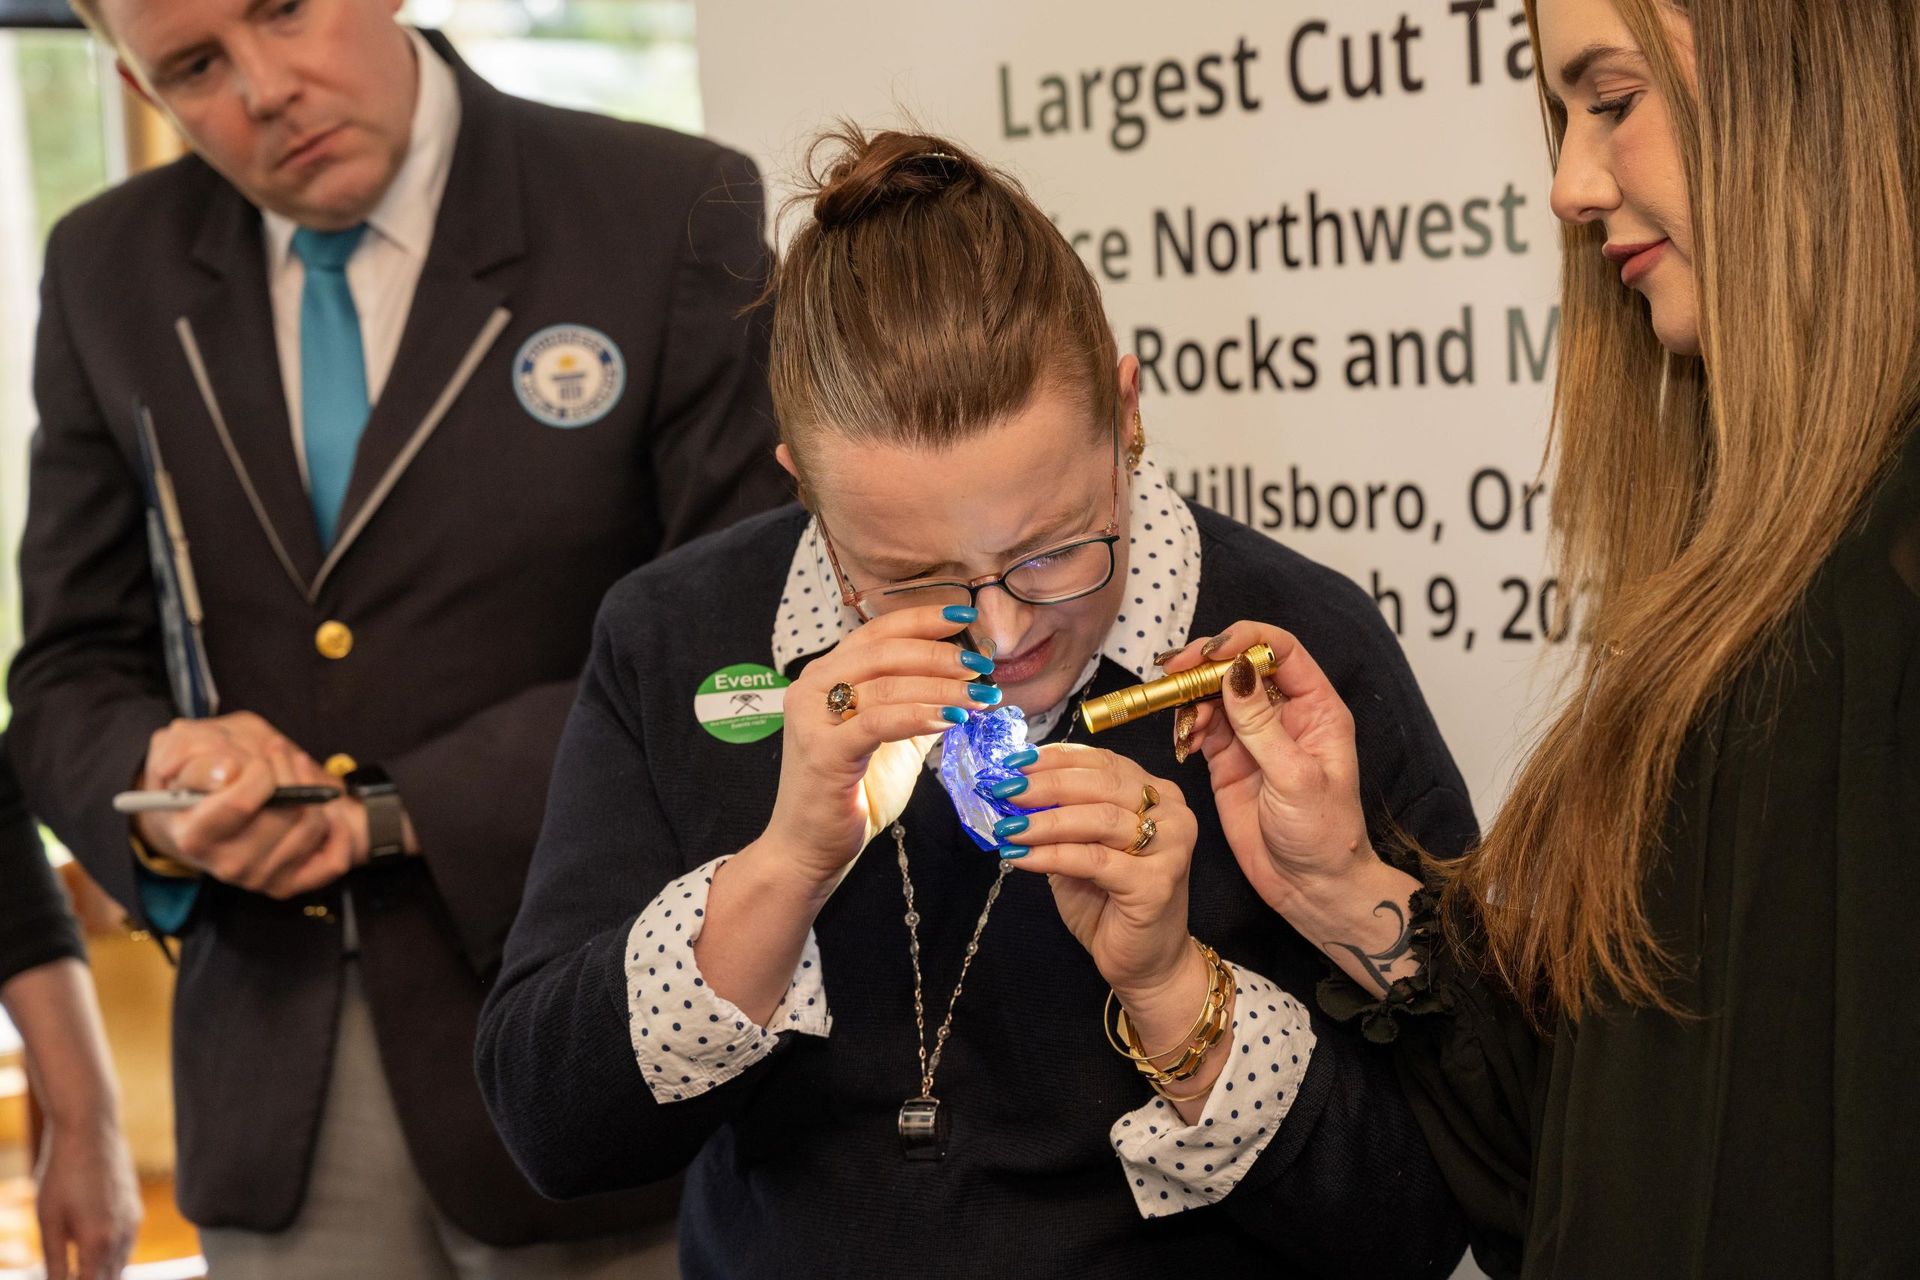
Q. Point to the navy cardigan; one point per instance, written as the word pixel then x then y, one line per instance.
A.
pixel 795 1167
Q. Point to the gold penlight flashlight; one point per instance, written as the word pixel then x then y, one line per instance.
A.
pixel 1178 689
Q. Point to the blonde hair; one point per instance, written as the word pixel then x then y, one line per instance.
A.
pixel 1695 499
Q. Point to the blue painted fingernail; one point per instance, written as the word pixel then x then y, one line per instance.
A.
pixel 1008 852
pixel 979 662
pixel 953 715
pixel 1007 788
pixel 1012 825
pixel 984 693
pixel 960 613
pixel 1022 758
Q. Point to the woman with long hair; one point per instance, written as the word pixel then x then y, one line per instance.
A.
pixel 1657 1022
pixel 759 944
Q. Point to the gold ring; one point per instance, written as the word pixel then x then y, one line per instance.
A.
pixel 1147 831
pixel 1148 798
pixel 842 700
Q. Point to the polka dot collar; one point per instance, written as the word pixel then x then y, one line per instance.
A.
pixel 1156 613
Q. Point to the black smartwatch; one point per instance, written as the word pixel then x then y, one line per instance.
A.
pixel 386 817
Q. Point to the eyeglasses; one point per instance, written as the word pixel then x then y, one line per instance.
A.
pixel 1056 574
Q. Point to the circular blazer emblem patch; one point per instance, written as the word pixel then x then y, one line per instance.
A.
pixel 568 375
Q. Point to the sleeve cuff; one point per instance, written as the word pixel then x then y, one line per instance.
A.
pixel 159 864
pixel 167 887
pixel 1172 1166
pixel 1380 1017
pixel 687 1038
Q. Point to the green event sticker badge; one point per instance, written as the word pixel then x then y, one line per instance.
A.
pixel 742 703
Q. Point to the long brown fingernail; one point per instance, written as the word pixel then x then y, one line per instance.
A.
pixel 1206 650
pixel 1183 721
pixel 1162 658
pixel 1241 677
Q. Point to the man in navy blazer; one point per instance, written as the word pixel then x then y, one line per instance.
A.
pixel 430 367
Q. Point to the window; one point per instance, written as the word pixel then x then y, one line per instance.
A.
pixel 58 143
pixel 631 58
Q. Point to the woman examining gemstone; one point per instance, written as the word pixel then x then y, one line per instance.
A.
pixel 893 1062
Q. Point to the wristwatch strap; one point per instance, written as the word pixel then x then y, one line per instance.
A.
pixel 386 815
pixel 386 825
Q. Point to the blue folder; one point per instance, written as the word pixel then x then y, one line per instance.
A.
pixel 168 901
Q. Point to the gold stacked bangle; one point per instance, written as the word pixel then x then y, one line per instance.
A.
pixel 1192 1051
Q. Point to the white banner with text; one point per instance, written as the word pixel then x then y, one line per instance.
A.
pixel 1323 229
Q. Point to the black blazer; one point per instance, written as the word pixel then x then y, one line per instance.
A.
pixel 475 545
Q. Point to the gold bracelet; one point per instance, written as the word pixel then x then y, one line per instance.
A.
pixel 1196 1045
pixel 1190 1063
pixel 1195 1096
pixel 1206 1032
pixel 1158 1081
pixel 1203 1042
pixel 1135 1053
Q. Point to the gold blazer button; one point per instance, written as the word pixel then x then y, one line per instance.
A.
pixel 341 764
pixel 333 640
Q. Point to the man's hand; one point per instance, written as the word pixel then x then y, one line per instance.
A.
pixel 238 760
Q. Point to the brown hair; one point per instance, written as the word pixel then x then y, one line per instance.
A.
pixel 1694 499
pixel 926 298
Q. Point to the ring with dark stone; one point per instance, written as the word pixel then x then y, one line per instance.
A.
pixel 841 699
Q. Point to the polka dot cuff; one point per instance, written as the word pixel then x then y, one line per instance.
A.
pixel 687 1037
pixel 1172 1166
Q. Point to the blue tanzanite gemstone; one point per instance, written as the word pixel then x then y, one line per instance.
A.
pixel 972 759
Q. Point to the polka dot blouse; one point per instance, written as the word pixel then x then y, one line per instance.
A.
pixel 1172 1165
pixel 687 1037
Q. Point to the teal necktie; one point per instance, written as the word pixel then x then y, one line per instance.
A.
pixel 333 371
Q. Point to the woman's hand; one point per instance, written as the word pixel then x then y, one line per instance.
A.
pixel 1129 910
pixel 88 1201
pixel 845 778
pixel 1280 754
pixel 1286 781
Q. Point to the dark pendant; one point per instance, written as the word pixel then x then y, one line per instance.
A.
pixel 923 1129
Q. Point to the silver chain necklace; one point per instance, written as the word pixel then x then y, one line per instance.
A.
pixel 923 1128
pixel 923 1125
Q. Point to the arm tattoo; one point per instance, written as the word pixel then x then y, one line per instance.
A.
pixel 1378 964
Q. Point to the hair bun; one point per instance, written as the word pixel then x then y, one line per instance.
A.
pixel 865 173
